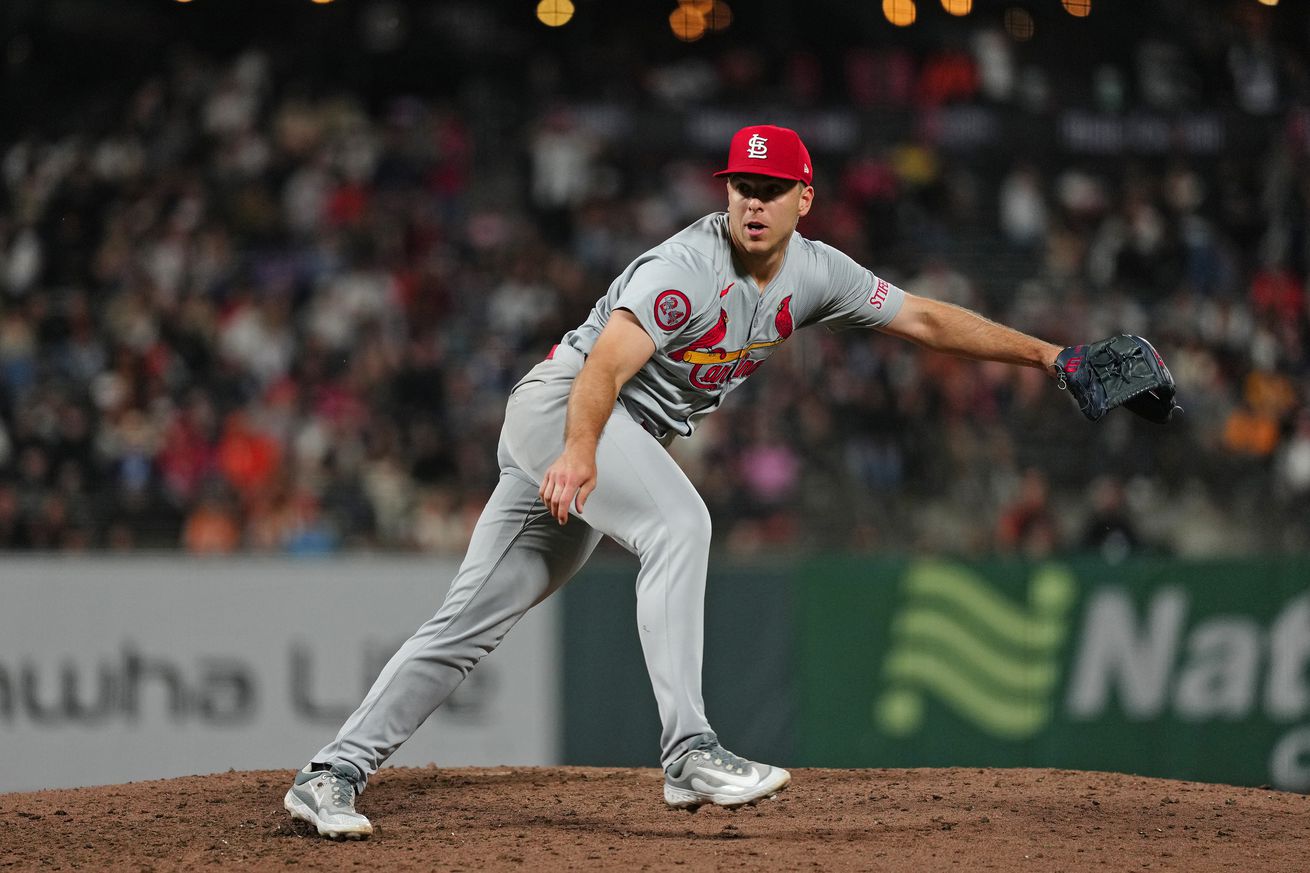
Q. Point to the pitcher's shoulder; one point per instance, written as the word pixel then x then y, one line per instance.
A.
pixel 705 236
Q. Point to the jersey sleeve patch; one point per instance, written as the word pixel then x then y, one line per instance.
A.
pixel 672 309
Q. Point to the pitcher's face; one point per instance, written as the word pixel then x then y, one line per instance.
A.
pixel 763 212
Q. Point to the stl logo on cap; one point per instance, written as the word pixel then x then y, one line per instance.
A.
pixel 769 150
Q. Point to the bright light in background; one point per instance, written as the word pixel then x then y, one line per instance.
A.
pixel 321 2
pixel 958 7
pixel 719 16
pixel 554 13
pixel 695 18
pixel 1019 23
pixel 1269 2
pixel 900 12
pixel 1082 8
pixel 688 21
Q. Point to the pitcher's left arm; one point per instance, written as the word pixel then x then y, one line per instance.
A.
pixel 954 330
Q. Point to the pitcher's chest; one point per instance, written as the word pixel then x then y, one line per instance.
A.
pixel 748 329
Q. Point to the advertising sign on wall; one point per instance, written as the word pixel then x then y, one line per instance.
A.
pixel 114 670
pixel 1195 671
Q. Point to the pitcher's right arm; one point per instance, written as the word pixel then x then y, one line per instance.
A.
pixel 620 351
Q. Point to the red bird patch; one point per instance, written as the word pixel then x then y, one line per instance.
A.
pixel 708 341
pixel 782 321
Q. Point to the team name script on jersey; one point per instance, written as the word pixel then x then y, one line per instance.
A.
pixel 713 366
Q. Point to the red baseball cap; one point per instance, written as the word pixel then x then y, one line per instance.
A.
pixel 769 150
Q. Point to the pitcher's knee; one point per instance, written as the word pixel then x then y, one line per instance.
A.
pixel 689 531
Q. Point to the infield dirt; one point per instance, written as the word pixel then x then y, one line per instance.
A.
pixel 581 818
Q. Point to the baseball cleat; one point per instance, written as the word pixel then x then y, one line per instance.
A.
pixel 712 774
pixel 326 799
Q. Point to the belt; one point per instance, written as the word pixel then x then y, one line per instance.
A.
pixel 550 356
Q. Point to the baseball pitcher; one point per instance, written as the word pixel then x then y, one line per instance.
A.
pixel 583 455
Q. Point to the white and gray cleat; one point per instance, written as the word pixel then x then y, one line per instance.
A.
pixel 712 774
pixel 326 799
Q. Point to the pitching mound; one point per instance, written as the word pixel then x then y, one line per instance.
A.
pixel 569 818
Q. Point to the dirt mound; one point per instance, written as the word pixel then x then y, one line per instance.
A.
pixel 570 818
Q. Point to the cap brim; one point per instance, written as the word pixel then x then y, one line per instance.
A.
pixel 754 172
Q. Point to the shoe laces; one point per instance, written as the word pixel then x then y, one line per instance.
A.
pixel 343 790
pixel 722 758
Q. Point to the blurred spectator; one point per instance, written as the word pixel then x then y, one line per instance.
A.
pixel 561 156
pixel 211 528
pixel 1109 529
pixel 1254 426
pixel 256 306
pixel 1028 524
pixel 247 458
pixel 439 526
pixel 1023 207
pixel 1293 462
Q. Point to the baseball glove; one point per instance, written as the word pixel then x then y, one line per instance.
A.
pixel 1123 370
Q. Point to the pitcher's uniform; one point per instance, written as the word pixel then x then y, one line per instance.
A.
pixel 712 329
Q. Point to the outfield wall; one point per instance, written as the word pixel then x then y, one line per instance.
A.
pixel 1190 670
pixel 122 669
pixel 114 670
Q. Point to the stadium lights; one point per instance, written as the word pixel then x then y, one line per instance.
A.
pixel 1019 23
pixel 719 16
pixel 958 7
pixel 687 22
pixel 320 2
pixel 1082 8
pixel 554 13
pixel 900 12
pixel 694 18
pixel 1269 2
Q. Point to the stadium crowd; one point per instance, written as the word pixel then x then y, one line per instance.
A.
pixel 249 314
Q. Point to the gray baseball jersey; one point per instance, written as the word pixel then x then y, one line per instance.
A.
pixel 712 328
pixel 711 325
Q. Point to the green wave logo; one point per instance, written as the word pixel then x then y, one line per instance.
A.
pixel 994 662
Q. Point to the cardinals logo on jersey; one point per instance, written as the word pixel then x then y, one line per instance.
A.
pixel 713 365
pixel 704 345
pixel 782 321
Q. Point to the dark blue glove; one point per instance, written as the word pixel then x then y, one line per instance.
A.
pixel 1122 370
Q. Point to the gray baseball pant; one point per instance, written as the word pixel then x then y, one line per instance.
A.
pixel 519 555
